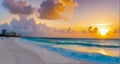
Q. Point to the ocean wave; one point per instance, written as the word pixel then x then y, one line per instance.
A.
pixel 94 57
pixel 88 44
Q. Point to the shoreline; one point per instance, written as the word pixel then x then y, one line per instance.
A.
pixel 15 51
pixel 48 56
pixel 52 57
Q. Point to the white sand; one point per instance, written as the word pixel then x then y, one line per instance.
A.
pixel 14 51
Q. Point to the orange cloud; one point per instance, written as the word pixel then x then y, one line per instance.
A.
pixel 51 9
pixel 69 4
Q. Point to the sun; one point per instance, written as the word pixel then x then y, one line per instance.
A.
pixel 103 31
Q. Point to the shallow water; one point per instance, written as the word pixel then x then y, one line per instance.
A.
pixel 96 50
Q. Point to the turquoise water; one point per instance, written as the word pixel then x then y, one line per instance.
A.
pixel 95 50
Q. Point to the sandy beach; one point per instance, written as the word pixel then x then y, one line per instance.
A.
pixel 13 51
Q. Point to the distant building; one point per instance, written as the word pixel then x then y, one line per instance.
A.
pixel 9 34
pixel 4 31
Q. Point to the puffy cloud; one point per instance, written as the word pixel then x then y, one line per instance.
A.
pixel 28 27
pixel 54 9
pixel 50 10
pixel 18 7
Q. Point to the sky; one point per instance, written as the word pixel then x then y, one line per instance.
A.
pixel 76 16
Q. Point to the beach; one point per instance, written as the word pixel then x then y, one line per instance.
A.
pixel 13 51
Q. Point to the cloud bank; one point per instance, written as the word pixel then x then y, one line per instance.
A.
pixel 28 27
pixel 49 9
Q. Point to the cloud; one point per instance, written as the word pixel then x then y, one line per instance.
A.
pixel 69 4
pixel 65 31
pixel 51 9
pixel 90 29
pixel 95 30
pixel 28 27
pixel 18 7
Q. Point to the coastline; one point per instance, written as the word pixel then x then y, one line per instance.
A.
pixel 15 51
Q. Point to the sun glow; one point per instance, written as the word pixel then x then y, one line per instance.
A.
pixel 103 30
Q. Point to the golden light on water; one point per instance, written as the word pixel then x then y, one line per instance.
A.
pixel 102 52
pixel 93 50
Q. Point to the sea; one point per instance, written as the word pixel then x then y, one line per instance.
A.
pixel 100 51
